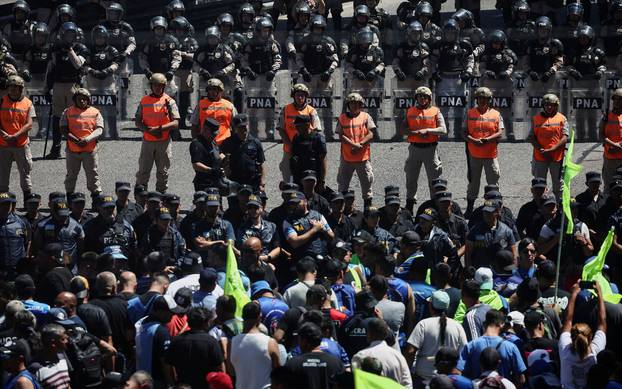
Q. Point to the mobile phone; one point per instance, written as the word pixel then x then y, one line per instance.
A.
pixel 586 284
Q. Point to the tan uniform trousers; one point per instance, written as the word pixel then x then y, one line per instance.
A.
pixel 186 81
pixel 23 160
pixel 159 153
pixel 363 171
pixel 62 96
pixel 86 160
pixel 609 170
pixel 285 168
pixel 476 165
pixel 540 169
pixel 418 156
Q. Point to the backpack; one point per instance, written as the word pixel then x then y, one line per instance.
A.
pixel 86 359
pixel 136 310
pixel 491 382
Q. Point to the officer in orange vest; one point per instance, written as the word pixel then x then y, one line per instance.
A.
pixel 16 115
pixel 611 130
pixel 423 125
pixel 215 107
pixel 549 134
pixel 82 125
pixel 156 116
pixel 484 128
pixel 286 127
pixel 356 131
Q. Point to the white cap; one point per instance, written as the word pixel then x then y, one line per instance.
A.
pixel 483 276
pixel 517 318
pixel 538 355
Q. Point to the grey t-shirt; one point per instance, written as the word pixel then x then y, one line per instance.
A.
pixel 393 314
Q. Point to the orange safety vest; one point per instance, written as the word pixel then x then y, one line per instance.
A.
pixel 81 123
pixel 613 131
pixel 290 112
pixel 222 111
pixel 13 116
pixel 356 129
pixel 482 126
pixel 418 119
pixel 155 112
pixel 548 132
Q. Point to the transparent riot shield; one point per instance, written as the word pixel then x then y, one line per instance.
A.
pixel 403 97
pixel 321 98
pixel 42 104
pixel 451 99
pixel 104 98
pixel 587 104
pixel 372 92
pixel 527 101
pixel 261 106
pixel 612 81
pixel 502 97
pixel 124 74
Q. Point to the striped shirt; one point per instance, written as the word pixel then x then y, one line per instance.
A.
pixel 52 374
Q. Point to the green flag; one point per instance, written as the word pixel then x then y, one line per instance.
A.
pixel 365 380
pixel 595 266
pixel 571 170
pixel 233 282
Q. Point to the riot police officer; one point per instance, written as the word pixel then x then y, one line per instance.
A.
pixel 228 36
pixel 175 9
pixel 262 54
pixel 406 13
pixel 215 60
pixel 106 229
pixel 570 30
pixel 360 21
pixel 454 56
pixel 244 155
pixel 8 67
pixel 521 29
pixel 378 16
pixel 412 55
pixel 183 31
pixel 545 53
pixel 161 53
pixel 365 61
pixel 498 61
pixel 318 53
pixel 432 33
pixel 64 13
pixel 63 77
pixel 302 15
pixel 18 31
pixel 102 62
pixel 259 9
pixel 469 31
pixel 38 54
pixel 588 60
pixel 246 21
pixel 611 30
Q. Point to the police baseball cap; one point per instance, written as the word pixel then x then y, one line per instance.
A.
pixel 336 196
pixel 54 250
pixel 333 267
pixel 164 214
pixel 212 200
pixel 166 303
pixel 362 237
pixel 491 206
pixel 371 212
pixel 140 190
pixel 263 195
pixel 428 214
pixel 391 190
pixel 212 124
pixel 442 196
pixel 348 194
pixel 301 120
pixel 59 316
pixel 199 197
pixel 296 197
pixel 239 120
pixel 438 183
pixel 245 190
pixel 171 198
pixel 615 185
pixel 154 196
pixel 493 195
pixel 191 263
pixel 122 185
pixel 549 199
pixel 115 252
pixel 593 177
pixel 309 175
pixel 253 201
pixel 208 275
pixel 5 197
pixel 24 284
pixel 289 187
pixel 392 200
pixel 538 182
pixel 15 348
pixel 260 286
pixel 59 206
pixel 410 238
pixel 339 244
pixel 106 201
pixel 489 187
pixel 33 198
pixel 56 195
pixel 77 197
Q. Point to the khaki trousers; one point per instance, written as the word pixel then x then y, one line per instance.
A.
pixel 609 170
pixel 86 160
pixel 159 153
pixel 417 157
pixel 540 169
pixel 23 159
pixel 476 165
pixel 62 96
pixel 363 171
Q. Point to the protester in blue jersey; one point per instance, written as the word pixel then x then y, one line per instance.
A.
pixel 416 278
pixel 272 309
pixel 15 355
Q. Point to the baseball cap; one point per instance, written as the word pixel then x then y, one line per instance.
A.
pixel 260 286
pixel 212 200
pixel 289 187
pixel 219 380
pixel 239 120
pixel 491 187
pixel 59 316
pixel 296 197
pixel 309 175
pixel 392 200
pixel 183 298
pixel 191 263
pixel 504 261
pixel 56 195
pixel 115 252
pixel 166 303
pixel 538 356
pixel 76 197
pixel 199 197
pixel 443 196
pixel 79 286
pixel 538 182
pixel 302 120
pixel 550 199
pixel 428 214
pixel 529 290
pixel 59 206
pixel 164 214
pixel 348 194
pixel 490 206
pixel 24 283
pixel 391 190
pixel 154 196
pixel 439 300
pixel 122 185
pixel 516 318
pixel 339 244
pixel 171 198
pixel 106 201
pixel 253 200
pixel 483 276
pixel 371 212
pixel 333 267
pixel 439 183
pixel 5 197
pixel 533 318
pixel 140 190
pixel 245 189
pixel 208 275
pixel 493 195
pixel 410 238
pixel 615 184
pixel 13 348
pixel 211 124
pixel 336 196
pixel 33 198
pixel 593 177
pixel 362 236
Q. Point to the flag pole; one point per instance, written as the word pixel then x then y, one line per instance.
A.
pixel 559 253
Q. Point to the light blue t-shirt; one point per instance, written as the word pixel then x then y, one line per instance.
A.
pixel 511 360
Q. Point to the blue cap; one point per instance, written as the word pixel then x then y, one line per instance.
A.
pixel 260 286
pixel 208 275
pixel 115 252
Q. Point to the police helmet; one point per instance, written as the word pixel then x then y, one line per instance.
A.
pixel 521 7
pixel 158 21
pixel 40 28
pixel 15 80
pixel 463 16
pixel 179 23
pixel 263 22
pixel 317 21
pixel 355 98
pixel 550 98
pixel 451 30
pixel 99 32
pixel 225 18
pixel 302 9
pixel 81 92
pixel 498 36
pixel 575 10
pixel 175 6
pixel 114 12
pixel 617 93
pixel 364 36
pixel 21 5
pixel 361 10
pixel 424 9
pixel 544 23
pixel 65 9
pixel 212 32
pixel 299 88
pixel 158 78
pixel 482 91
pixel 68 28
pixel 423 90
pixel 215 83
pixel 586 31
pixel 414 31
pixel 246 9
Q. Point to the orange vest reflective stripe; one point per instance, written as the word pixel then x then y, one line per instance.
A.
pixel 418 119
pixel 482 126
pixel 290 112
pixel 13 116
pixel 613 131
pixel 155 112
pixel 81 123
pixel 222 111
pixel 356 129
pixel 548 132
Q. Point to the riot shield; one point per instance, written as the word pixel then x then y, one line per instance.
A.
pixel 586 103
pixel 42 104
pixel 612 81
pixel 502 96
pixel 104 98
pixel 124 74
pixel 403 97
pixel 372 92
pixel 321 98
pixel 451 99
pixel 261 106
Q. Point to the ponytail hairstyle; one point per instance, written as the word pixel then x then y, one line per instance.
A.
pixel 581 335
pixel 442 320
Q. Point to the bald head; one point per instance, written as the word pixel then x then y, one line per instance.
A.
pixel 105 283
pixel 127 281
pixel 252 243
pixel 67 301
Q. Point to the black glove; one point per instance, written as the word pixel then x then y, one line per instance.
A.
pixel 574 73
pixel 419 75
pixel 270 75
pixel 99 74
pixel 206 75
pixel 305 74
pixel 325 76
pixel 359 74
pixel 371 76
pixel 534 75
pixel 169 75
pixel 437 77
pixel 465 76
pixel 490 74
pixel 400 74
pixel 547 75
pixel 598 75
pixel 122 56
pixel 26 75
pixel 503 76
pixel 292 55
pixel 148 74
